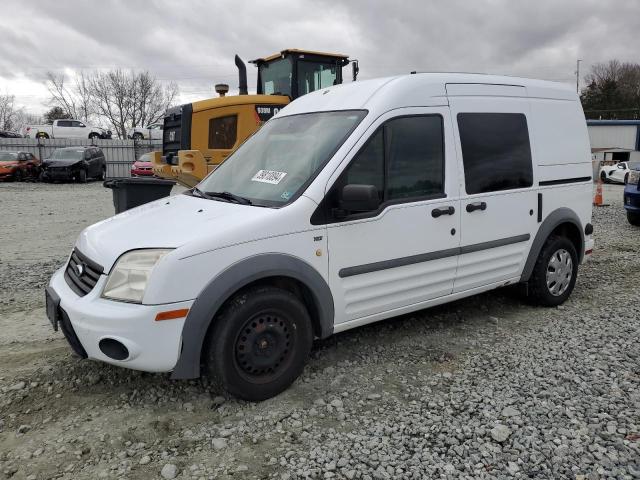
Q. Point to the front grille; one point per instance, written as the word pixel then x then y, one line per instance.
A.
pixel 70 334
pixel 82 274
pixel 176 133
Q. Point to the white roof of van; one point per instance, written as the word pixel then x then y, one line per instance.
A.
pixel 420 89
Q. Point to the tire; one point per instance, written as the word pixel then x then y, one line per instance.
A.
pixel 633 218
pixel 557 254
pixel 42 135
pixel 626 178
pixel 82 176
pixel 94 136
pixel 18 176
pixel 276 324
pixel 138 136
pixel 103 175
pixel 43 178
pixel 603 177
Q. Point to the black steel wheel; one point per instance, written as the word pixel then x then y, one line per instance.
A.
pixel 259 343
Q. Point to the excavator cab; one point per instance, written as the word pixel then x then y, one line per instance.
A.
pixel 294 72
pixel 198 136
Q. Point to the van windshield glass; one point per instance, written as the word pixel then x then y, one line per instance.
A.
pixel 274 164
pixel 64 154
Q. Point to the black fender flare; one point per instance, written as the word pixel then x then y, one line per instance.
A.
pixel 555 218
pixel 238 275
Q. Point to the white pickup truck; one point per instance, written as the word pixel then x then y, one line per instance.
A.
pixel 65 129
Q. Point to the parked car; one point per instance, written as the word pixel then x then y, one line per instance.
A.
pixel 65 129
pixel 151 132
pixel 617 173
pixel 74 163
pixel 18 165
pixel 631 195
pixel 7 134
pixel 354 204
pixel 142 167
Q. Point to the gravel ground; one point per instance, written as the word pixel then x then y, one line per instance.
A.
pixel 486 387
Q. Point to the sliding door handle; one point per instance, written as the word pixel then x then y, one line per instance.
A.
pixel 437 212
pixel 472 207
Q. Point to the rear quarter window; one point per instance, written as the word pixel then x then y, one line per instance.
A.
pixel 496 152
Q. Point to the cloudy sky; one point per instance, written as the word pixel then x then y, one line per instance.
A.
pixel 193 42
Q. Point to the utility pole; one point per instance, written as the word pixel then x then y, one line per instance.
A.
pixel 578 76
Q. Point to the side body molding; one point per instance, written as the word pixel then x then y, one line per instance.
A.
pixel 555 218
pixel 238 275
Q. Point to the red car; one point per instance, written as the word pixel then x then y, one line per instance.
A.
pixel 142 167
pixel 17 166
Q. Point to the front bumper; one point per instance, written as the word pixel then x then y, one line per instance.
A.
pixel 139 172
pixel 60 173
pixel 631 198
pixel 153 346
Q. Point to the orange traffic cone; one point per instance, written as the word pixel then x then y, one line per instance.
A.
pixel 598 201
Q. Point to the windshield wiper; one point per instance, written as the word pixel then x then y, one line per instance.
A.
pixel 196 192
pixel 231 197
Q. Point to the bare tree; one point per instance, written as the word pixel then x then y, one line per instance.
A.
pixel 612 91
pixel 61 96
pixel 123 99
pixel 7 112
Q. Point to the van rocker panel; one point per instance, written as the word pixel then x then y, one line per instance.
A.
pixel 238 275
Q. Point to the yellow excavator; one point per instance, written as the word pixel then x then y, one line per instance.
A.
pixel 198 136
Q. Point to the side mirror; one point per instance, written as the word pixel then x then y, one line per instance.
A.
pixel 359 198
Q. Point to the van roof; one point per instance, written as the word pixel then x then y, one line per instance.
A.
pixel 422 89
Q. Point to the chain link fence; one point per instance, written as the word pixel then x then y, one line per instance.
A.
pixel 119 154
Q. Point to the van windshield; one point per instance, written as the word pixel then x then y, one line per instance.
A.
pixel 274 164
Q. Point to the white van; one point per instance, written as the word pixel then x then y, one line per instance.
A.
pixel 354 204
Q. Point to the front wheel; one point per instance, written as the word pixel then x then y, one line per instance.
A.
pixel 82 176
pixel 138 136
pixel 633 218
pixel 18 176
pixel 259 343
pixel 626 178
pixel 94 136
pixel 555 272
pixel 603 177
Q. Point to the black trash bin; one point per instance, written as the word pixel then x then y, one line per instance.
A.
pixel 133 192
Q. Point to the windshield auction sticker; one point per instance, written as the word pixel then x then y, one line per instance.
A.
pixel 268 176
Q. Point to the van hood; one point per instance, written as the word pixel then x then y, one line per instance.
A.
pixel 167 223
pixel 61 162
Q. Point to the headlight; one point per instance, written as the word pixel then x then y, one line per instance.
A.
pixel 128 278
pixel 634 177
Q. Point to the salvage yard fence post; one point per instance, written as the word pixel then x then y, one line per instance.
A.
pixel 119 154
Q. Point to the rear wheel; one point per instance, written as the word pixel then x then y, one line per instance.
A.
pixel 554 274
pixel 603 177
pixel 626 178
pixel 633 218
pixel 42 135
pixel 94 136
pixel 138 136
pixel 259 343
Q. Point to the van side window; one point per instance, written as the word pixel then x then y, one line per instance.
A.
pixel 415 157
pixel 223 132
pixel 367 168
pixel 403 159
pixel 495 151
